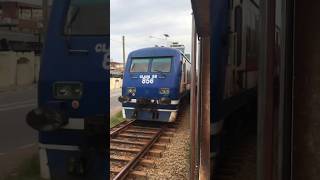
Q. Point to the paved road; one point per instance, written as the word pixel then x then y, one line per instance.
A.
pixel 17 139
pixel 115 105
pixel 14 132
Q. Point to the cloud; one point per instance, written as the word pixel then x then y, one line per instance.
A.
pixel 140 19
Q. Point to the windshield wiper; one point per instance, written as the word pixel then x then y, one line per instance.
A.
pixel 161 73
pixel 74 15
pixel 67 31
pixel 158 71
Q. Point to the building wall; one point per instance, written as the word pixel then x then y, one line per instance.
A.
pixel 115 83
pixel 18 69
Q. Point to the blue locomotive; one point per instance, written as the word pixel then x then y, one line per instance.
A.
pixel 73 97
pixel 156 81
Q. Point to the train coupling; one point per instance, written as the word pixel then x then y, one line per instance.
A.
pixel 124 99
pixel 165 101
pixel 46 119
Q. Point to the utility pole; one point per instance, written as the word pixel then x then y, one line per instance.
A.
pixel 123 51
pixel 166 37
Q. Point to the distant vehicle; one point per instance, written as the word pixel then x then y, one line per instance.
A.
pixel 73 92
pixel 156 81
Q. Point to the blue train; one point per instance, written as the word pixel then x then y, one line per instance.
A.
pixel 156 81
pixel 73 91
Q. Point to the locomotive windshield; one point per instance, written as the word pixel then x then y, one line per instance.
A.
pixel 87 17
pixel 158 64
pixel 139 65
pixel 161 65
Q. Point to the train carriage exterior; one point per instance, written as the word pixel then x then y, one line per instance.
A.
pixel 156 81
pixel 73 90
pixel 234 55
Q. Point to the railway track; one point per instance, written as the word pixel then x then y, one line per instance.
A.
pixel 134 145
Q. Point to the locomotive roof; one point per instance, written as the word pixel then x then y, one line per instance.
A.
pixel 154 51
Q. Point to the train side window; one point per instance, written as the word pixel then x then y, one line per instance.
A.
pixel 238 30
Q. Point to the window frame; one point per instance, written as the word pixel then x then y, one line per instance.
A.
pixel 63 30
pixel 150 63
pixel 132 59
pixel 170 57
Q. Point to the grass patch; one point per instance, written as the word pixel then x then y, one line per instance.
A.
pixel 28 170
pixel 116 119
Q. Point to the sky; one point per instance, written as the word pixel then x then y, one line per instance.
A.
pixel 137 20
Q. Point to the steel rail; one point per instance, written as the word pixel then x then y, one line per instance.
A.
pixel 129 167
pixel 118 130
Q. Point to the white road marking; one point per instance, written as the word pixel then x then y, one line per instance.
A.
pixel 18 103
pixel 18 107
pixel 115 94
pixel 26 146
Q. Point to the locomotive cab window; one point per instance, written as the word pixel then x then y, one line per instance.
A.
pixel 139 65
pixel 161 65
pixel 82 17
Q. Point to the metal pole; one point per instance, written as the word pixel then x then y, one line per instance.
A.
pixel 204 170
pixel 123 51
pixel 194 161
pixel 265 139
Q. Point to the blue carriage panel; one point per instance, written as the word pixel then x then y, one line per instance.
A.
pixel 73 91
pixel 75 58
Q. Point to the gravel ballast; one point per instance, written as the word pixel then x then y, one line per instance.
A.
pixel 174 163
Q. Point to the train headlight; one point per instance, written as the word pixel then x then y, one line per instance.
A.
pixel 164 91
pixel 68 90
pixel 165 100
pixel 131 90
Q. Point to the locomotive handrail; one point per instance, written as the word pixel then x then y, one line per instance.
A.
pixel 79 51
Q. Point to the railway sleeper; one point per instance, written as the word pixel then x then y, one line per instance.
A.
pixel 146 128
pixel 152 152
pixel 136 174
pixel 129 135
pixel 131 150
pixel 143 162
pixel 141 131
pixel 155 153
pixel 170 129
pixel 164 139
pixel 120 141
pixel 168 134
pixel 159 146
